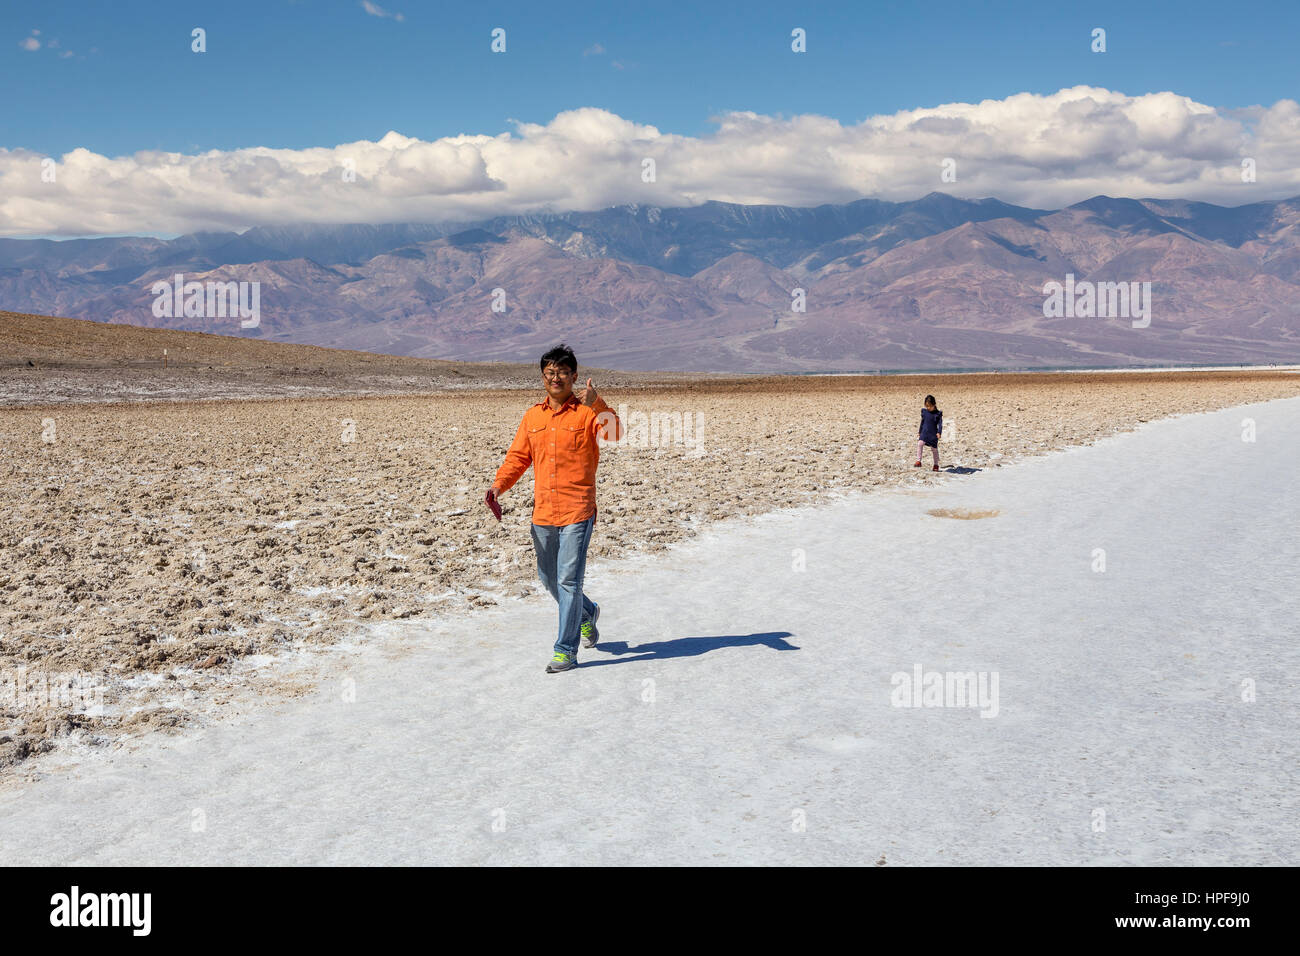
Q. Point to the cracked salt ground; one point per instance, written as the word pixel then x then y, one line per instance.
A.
pixel 731 694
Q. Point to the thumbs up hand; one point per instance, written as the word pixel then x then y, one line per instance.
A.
pixel 588 394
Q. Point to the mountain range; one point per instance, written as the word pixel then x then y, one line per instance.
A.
pixel 939 282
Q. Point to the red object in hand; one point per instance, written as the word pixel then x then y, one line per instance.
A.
pixel 493 505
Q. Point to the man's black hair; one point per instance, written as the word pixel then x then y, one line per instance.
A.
pixel 560 355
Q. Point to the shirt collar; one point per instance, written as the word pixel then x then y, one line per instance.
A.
pixel 571 400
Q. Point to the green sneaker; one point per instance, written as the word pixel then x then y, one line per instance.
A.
pixel 561 662
pixel 590 633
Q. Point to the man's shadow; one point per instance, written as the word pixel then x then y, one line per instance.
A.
pixel 961 470
pixel 689 647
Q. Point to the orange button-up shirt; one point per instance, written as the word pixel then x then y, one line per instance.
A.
pixel 561 446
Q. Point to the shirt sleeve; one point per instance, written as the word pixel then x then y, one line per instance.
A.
pixel 605 423
pixel 518 458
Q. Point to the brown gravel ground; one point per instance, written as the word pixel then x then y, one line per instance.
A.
pixel 165 550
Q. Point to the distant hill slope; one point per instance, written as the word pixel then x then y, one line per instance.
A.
pixel 56 342
pixel 50 360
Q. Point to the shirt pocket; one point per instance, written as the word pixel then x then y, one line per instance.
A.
pixel 535 436
pixel 574 437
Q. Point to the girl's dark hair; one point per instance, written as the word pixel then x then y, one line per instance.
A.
pixel 929 400
pixel 560 355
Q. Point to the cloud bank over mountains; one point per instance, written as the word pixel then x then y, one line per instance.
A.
pixel 1029 149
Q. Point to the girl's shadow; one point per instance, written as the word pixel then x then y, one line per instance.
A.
pixel 689 647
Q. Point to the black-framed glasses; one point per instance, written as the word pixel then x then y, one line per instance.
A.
pixel 557 373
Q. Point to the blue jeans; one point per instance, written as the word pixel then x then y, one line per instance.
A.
pixel 561 564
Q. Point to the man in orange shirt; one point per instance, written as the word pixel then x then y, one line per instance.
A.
pixel 558 437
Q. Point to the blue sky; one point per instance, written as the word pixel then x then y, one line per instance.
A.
pixel 293 97
pixel 322 72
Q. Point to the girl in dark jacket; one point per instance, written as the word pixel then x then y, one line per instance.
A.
pixel 930 432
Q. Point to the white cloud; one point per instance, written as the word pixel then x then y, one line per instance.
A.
pixel 594 50
pixel 375 10
pixel 31 44
pixel 1045 151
